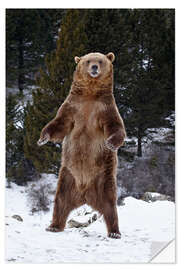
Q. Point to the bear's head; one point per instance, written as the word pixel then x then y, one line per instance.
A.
pixel 94 66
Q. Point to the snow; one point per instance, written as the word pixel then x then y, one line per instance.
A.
pixel 141 225
pixel 171 119
pixel 158 134
pixel 155 194
pixel 132 139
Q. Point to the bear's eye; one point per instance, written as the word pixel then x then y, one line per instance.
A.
pixel 100 61
pixel 88 61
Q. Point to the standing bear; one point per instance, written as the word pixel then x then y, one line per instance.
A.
pixel 91 130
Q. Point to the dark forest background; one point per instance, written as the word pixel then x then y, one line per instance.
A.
pixel 40 48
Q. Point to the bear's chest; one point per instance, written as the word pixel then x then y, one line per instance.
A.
pixel 86 117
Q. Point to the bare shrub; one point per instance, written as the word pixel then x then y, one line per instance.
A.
pixel 38 197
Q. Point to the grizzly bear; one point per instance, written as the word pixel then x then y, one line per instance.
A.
pixel 91 130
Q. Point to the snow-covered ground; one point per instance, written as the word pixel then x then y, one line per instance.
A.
pixel 144 227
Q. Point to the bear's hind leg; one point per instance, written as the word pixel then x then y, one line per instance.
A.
pixel 66 199
pixel 102 197
pixel 109 208
pixel 111 219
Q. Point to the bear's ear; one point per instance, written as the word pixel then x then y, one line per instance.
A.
pixel 77 59
pixel 110 56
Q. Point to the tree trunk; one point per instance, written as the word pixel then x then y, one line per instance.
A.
pixel 20 66
pixel 139 150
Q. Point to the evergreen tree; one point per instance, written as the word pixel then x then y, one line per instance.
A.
pixel 29 36
pixel 13 129
pixel 109 30
pixel 145 94
pixel 53 86
pixel 29 26
pixel 18 168
pixel 164 54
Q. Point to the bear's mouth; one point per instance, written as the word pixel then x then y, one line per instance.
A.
pixel 94 74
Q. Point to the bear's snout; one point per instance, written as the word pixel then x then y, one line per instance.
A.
pixel 94 71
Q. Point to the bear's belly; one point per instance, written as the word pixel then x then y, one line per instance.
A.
pixel 83 156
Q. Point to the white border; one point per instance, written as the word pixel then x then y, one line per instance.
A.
pixel 2 131
pixel 89 4
pixel 78 4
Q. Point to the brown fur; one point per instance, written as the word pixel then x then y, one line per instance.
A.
pixel 92 130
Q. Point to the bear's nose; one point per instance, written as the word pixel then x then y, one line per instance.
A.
pixel 94 67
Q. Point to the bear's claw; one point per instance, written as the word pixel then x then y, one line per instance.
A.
pixel 114 235
pixel 42 141
pixel 110 146
pixel 52 229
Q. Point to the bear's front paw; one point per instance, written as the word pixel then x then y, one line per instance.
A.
pixel 110 145
pixel 43 139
